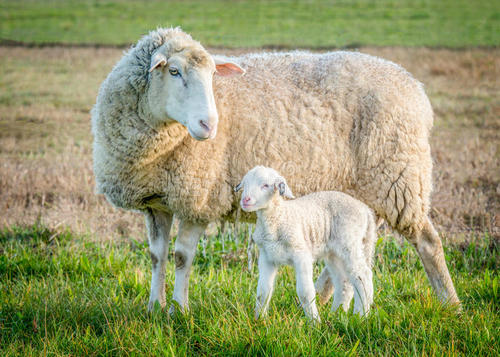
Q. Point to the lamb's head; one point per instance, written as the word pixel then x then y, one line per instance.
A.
pixel 180 86
pixel 260 185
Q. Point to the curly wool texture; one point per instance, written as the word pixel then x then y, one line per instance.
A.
pixel 340 121
pixel 320 223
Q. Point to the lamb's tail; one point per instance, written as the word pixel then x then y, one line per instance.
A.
pixel 370 237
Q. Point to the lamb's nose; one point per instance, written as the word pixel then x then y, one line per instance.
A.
pixel 246 199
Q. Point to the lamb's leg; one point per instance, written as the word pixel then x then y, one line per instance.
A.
pixel 324 286
pixel 265 286
pixel 430 249
pixel 158 225
pixel 352 261
pixel 343 291
pixel 305 286
pixel 369 287
pixel 360 277
pixel 185 250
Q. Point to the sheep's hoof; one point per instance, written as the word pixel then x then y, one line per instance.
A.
pixel 175 308
pixel 155 305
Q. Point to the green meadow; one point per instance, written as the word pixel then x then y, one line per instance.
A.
pixel 244 23
pixel 62 294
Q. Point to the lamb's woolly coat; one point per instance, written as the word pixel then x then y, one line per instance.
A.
pixel 331 226
pixel 319 223
pixel 335 121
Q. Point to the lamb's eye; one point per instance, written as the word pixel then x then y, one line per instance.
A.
pixel 174 72
pixel 265 186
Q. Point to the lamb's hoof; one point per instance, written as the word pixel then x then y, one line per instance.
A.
pixel 315 320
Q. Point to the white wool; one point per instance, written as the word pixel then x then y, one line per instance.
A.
pixel 328 225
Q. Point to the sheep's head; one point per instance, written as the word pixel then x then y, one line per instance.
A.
pixel 260 185
pixel 181 87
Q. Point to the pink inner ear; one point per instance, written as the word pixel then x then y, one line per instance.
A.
pixel 228 69
pixel 158 63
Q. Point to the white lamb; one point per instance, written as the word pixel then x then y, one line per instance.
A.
pixel 325 225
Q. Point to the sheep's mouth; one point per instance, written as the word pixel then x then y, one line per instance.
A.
pixel 198 137
pixel 206 134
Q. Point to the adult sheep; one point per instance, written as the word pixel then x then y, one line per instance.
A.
pixel 336 121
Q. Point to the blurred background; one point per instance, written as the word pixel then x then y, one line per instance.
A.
pixel 55 54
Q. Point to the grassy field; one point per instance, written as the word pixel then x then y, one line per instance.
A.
pixel 61 294
pixel 289 23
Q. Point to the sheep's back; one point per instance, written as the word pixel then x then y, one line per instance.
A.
pixel 322 120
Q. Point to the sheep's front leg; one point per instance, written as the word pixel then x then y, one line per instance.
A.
pixel 305 286
pixel 158 225
pixel 265 286
pixel 185 250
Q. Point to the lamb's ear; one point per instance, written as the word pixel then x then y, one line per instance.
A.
pixel 285 190
pixel 226 68
pixel 158 60
pixel 238 187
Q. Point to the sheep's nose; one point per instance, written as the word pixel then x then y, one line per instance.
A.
pixel 205 125
pixel 246 199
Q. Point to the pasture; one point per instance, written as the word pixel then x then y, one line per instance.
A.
pixel 62 294
pixel 75 271
pixel 257 23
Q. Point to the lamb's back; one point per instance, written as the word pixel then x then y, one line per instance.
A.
pixel 322 216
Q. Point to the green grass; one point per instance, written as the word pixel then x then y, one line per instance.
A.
pixel 289 23
pixel 63 294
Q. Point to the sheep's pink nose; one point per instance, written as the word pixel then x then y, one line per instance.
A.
pixel 205 125
pixel 246 199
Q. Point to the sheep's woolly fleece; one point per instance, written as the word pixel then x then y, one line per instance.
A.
pixel 341 121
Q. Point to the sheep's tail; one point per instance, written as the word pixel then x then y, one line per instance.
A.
pixel 370 237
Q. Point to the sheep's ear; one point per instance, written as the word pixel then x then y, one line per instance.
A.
pixel 227 68
pixel 238 187
pixel 285 190
pixel 158 60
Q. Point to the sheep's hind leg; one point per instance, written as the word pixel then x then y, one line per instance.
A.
pixel 185 250
pixel 430 249
pixel 158 225
pixel 400 193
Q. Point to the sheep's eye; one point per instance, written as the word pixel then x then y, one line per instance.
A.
pixel 174 72
pixel 265 186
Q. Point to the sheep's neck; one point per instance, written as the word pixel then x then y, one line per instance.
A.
pixel 163 141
